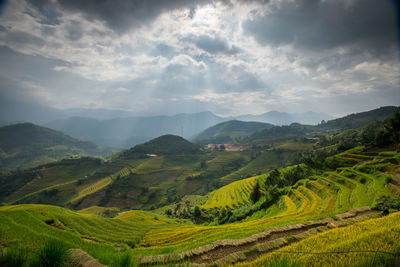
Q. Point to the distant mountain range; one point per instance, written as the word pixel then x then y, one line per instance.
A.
pixel 28 145
pixel 127 132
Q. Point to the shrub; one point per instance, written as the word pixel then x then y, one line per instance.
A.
pixel 388 178
pixel 367 169
pixel 340 180
pixel 387 153
pixel 348 174
pixel 362 180
pixel 53 254
pixel 126 260
pixel 385 201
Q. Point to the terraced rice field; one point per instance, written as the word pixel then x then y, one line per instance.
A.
pixel 232 195
pixel 320 198
pixel 382 234
pixel 316 199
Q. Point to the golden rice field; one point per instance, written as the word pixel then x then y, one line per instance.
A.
pixel 232 195
pixel 382 234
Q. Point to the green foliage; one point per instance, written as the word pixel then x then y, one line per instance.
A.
pixel 256 193
pixel 362 180
pixel 340 180
pixel 53 254
pixel 386 201
pixel 14 257
pixel 126 260
pixel 388 178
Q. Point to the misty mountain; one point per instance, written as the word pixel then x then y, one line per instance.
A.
pixel 14 111
pixel 229 131
pixel 28 145
pixel 284 118
pixel 127 132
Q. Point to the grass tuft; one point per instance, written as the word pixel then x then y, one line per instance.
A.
pixel 53 254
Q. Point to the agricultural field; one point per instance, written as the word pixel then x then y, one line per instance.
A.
pixel 305 212
pixel 370 243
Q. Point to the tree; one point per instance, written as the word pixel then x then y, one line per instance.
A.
pixel 393 126
pixel 203 164
pixel 197 212
pixel 256 193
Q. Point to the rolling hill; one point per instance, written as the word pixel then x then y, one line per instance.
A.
pixel 229 131
pixel 27 145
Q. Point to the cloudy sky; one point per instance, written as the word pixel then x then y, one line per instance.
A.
pixel 230 56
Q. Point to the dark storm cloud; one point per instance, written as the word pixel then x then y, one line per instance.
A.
pixel 319 25
pixel 123 15
pixel 120 15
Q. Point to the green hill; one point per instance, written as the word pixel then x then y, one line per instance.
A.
pixel 229 131
pixel 164 145
pixel 28 145
pixel 352 121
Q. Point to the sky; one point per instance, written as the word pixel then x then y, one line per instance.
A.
pixel 229 57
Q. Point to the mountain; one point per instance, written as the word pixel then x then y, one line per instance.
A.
pixel 27 145
pixel 351 121
pixel 127 132
pixel 284 118
pixel 229 131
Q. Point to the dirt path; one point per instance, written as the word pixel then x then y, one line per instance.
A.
pixel 229 251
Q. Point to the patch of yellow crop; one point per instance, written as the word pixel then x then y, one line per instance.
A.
pixel 375 234
pixel 231 195
pixel 92 188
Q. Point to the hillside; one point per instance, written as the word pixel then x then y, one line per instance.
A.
pixel 352 121
pixel 164 145
pixel 229 131
pixel 27 145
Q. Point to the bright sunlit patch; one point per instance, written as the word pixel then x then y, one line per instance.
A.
pixel 206 16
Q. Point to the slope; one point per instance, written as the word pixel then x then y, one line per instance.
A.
pixel 352 121
pixel 28 145
pixel 229 131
